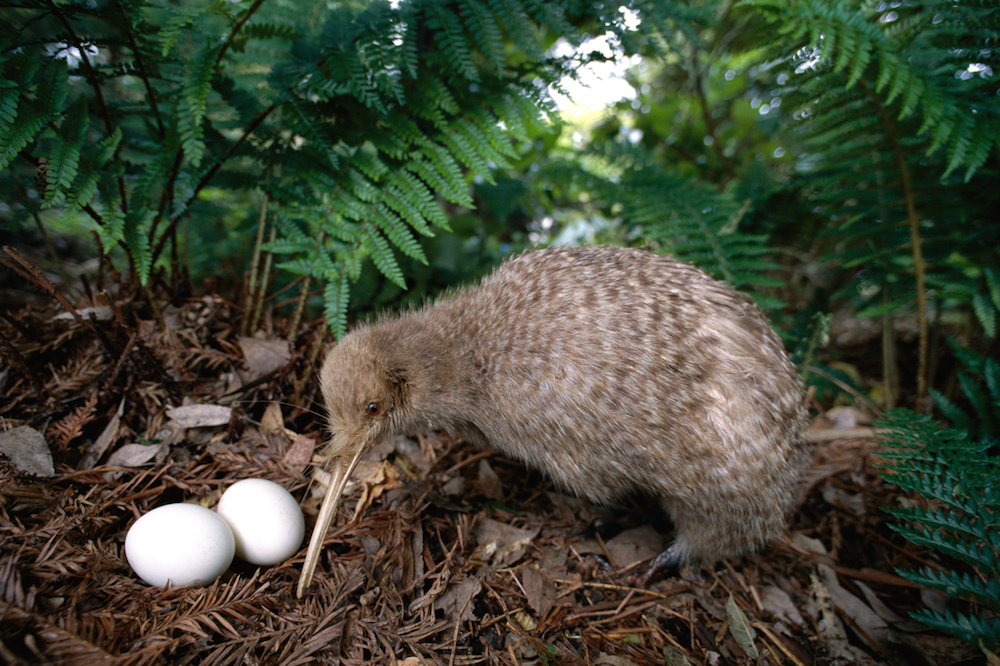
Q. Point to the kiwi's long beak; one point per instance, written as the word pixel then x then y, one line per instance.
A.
pixel 338 481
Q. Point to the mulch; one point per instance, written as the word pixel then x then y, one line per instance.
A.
pixel 442 554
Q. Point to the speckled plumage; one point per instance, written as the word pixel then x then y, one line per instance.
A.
pixel 612 371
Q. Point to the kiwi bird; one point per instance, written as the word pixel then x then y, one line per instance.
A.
pixel 614 371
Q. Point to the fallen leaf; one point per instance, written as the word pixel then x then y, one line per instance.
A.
pixel 99 312
pixel 374 482
pixel 674 657
pixel 502 543
pixel 843 499
pixel 272 421
pixel 635 545
pixel 458 599
pixel 104 440
pixel 489 482
pixel 896 620
pixel 199 416
pixel 134 455
pixel 264 356
pixel 300 453
pixel 28 450
pixel 739 627
pixel 538 589
pixel 454 486
pixel 524 620
pixel 777 602
pixel 604 659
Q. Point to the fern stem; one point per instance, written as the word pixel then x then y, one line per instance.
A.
pixel 890 374
pixel 265 277
pixel 251 283
pixel 63 273
pixel 913 221
pixel 300 308
pixel 166 196
pixel 251 10
pixel 300 305
pixel 154 306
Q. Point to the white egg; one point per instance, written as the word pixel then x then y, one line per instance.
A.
pixel 266 520
pixel 179 544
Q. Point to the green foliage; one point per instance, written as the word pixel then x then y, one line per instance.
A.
pixel 688 220
pixel 924 60
pixel 361 122
pixel 959 479
pixel 980 384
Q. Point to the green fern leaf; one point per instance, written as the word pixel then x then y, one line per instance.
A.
pixel 382 255
pixel 8 105
pixel 298 266
pixel 112 230
pixel 971 554
pixel 951 411
pixel 957 586
pixel 979 400
pixel 973 630
pixel 401 237
pixel 83 189
pixel 193 104
pixel 450 37
pixel 336 295
pixel 170 31
pixel 993 284
pixel 992 376
pixel 986 313
pixel 137 225
pixel 23 133
pixel 510 14
pixel 487 36
pixel 438 167
pixel 65 161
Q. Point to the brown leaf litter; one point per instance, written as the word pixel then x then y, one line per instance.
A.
pixel 442 555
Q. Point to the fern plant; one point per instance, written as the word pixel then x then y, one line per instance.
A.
pixel 895 109
pixel 353 127
pixel 958 475
pixel 689 220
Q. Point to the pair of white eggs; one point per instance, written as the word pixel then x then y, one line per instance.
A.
pixel 184 544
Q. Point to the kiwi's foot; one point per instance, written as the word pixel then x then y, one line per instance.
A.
pixel 667 562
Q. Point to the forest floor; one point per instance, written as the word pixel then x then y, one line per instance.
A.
pixel 442 554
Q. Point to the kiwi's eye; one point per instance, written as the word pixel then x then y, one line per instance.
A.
pixel 373 408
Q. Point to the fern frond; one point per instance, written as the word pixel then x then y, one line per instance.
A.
pixel 382 255
pixel 270 30
pixel 437 166
pixel 946 467
pixel 19 136
pixel 450 37
pixel 336 295
pixel 65 160
pixel 396 231
pixel 193 103
pixel 181 18
pixel 486 32
pixel 112 230
pixel 976 631
pixel 136 236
